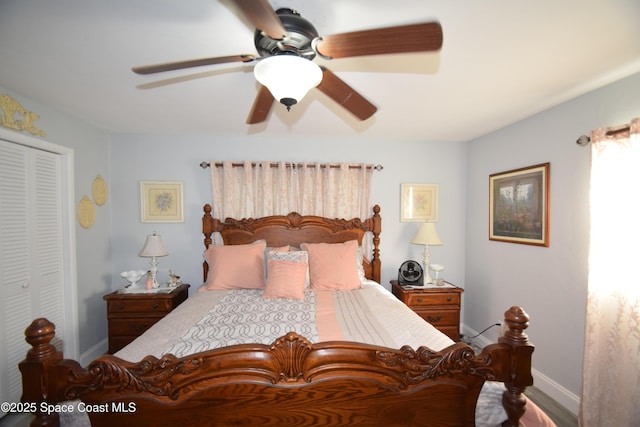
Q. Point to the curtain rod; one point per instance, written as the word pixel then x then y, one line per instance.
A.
pixel 584 140
pixel 378 167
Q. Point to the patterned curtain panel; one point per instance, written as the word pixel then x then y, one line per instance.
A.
pixel 611 369
pixel 257 189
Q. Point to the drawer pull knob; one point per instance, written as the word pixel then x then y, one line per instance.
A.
pixel 449 299
pixel 156 305
pixel 434 319
pixel 121 306
pixel 139 328
pixel 419 299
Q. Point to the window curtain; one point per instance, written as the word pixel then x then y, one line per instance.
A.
pixel 611 368
pixel 257 189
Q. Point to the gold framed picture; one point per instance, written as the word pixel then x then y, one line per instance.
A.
pixel 419 202
pixel 161 201
pixel 519 205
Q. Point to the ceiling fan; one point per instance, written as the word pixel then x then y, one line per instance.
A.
pixel 287 44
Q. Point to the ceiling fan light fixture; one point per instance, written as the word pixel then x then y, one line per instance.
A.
pixel 288 77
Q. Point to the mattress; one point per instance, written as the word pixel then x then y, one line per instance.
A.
pixel 371 315
pixel 213 319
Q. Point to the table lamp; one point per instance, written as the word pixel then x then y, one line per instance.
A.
pixel 153 248
pixel 427 235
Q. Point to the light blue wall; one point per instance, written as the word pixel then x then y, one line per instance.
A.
pixel 550 283
pixel 149 158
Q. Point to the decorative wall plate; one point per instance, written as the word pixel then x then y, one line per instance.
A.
pixel 86 212
pixel 99 191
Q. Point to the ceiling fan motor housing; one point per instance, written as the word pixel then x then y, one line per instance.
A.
pixel 297 40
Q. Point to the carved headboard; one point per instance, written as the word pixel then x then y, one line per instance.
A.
pixel 295 229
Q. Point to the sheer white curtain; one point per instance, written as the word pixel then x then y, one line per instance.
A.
pixel 256 189
pixel 611 369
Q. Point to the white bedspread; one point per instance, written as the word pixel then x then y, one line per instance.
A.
pixel 371 315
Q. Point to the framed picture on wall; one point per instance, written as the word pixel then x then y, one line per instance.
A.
pixel 519 205
pixel 419 202
pixel 161 201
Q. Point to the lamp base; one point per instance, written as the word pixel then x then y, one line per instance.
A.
pixel 154 273
pixel 426 279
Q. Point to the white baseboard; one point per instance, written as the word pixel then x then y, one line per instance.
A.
pixel 94 352
pixel 551 388
pixel 556 391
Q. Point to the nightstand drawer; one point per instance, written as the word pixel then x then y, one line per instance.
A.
pixel 438 306
pixel 439 317
pixel 413 300
pixel 130 315
pixel 131 326
pixel 160 306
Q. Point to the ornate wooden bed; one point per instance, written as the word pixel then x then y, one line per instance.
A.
pixel 291 382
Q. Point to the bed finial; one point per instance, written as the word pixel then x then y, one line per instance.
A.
pixel 517 321
pixel 513 401
pixel 39 335
pixel 376 230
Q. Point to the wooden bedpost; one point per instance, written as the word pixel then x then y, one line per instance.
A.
pixel 377 229
pixel 207 230
pixel 513 401
pixel 35 384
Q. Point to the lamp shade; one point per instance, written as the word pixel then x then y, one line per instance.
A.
pixel 153 247
pixel 427 235
pixel 288 77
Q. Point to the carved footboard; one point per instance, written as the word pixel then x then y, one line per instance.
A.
pixel 291 382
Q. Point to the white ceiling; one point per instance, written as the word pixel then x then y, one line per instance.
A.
pixel 501 61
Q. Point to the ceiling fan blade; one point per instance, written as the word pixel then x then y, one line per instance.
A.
pixel 335 88
pixel 401 39
pixel 178 65
pixel 262 16
pixel 261 106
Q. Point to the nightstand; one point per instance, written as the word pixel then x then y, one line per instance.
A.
pixel 129 315
pixel 439 306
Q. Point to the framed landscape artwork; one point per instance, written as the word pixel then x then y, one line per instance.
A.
pixel 161 201
pixel 519 205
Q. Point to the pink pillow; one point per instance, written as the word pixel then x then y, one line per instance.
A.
pixel 294 256
pixel 332 266
pixel 285 279
pixel 236 266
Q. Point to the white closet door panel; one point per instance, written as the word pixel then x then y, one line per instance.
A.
pixel 15 264
pixel 15 317
pixel 48 241
pixel 14 245
pixel 31 254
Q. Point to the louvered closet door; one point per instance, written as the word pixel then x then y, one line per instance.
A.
pixel 31 268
